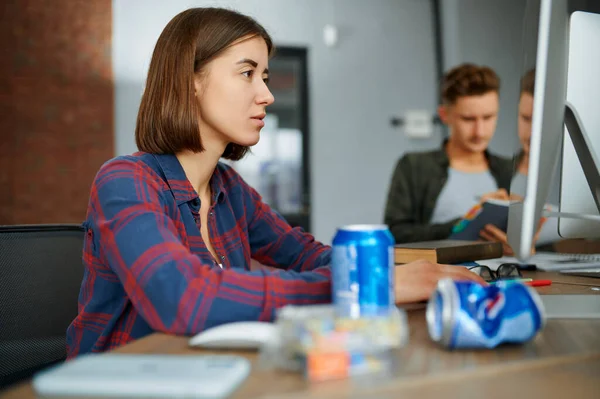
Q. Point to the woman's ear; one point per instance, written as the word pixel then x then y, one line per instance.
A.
pixel 197 85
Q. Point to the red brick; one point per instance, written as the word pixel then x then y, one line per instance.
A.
pixel 56 107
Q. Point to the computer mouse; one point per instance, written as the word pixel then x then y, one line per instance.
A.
pixel 237 335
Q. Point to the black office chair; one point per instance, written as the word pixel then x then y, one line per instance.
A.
pixel 41 271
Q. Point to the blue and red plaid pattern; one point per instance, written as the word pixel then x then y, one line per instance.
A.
pixel 147 268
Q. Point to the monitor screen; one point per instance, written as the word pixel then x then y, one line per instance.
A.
pixel 566 64
pixel 583 96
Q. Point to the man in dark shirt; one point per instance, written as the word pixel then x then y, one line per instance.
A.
pixel 430 191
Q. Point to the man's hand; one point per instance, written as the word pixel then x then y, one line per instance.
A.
pixel 493 233
pixel 417 280
pixel 500 194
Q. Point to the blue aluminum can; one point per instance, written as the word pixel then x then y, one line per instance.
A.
pixel 362 266
pixel 463 314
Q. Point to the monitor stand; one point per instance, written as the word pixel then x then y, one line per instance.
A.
pixel 589 163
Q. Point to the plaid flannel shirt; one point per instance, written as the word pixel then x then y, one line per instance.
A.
pixel 147 268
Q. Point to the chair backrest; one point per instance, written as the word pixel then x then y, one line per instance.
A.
pixel 41 270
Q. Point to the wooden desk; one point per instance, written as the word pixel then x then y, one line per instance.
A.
pixel 562 361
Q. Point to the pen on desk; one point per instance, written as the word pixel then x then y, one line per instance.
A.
pixel 527 281
pixel 539 283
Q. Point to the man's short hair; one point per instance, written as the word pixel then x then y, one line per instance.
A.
pixel 528 82
pixel 468 80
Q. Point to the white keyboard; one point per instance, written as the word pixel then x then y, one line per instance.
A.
pixel 149 376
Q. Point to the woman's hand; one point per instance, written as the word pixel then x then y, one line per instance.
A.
pixel 417 280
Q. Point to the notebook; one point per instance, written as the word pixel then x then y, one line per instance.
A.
pixel 490 212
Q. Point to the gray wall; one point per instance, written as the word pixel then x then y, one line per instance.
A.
pixel 383 65
pixel 503 35
pixel 491 32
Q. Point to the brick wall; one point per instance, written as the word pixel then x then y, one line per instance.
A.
pixel 56 106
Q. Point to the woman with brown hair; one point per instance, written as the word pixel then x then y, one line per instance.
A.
pixel 171 230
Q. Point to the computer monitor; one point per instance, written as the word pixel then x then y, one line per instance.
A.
pixel 580 187
pixel 550 113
